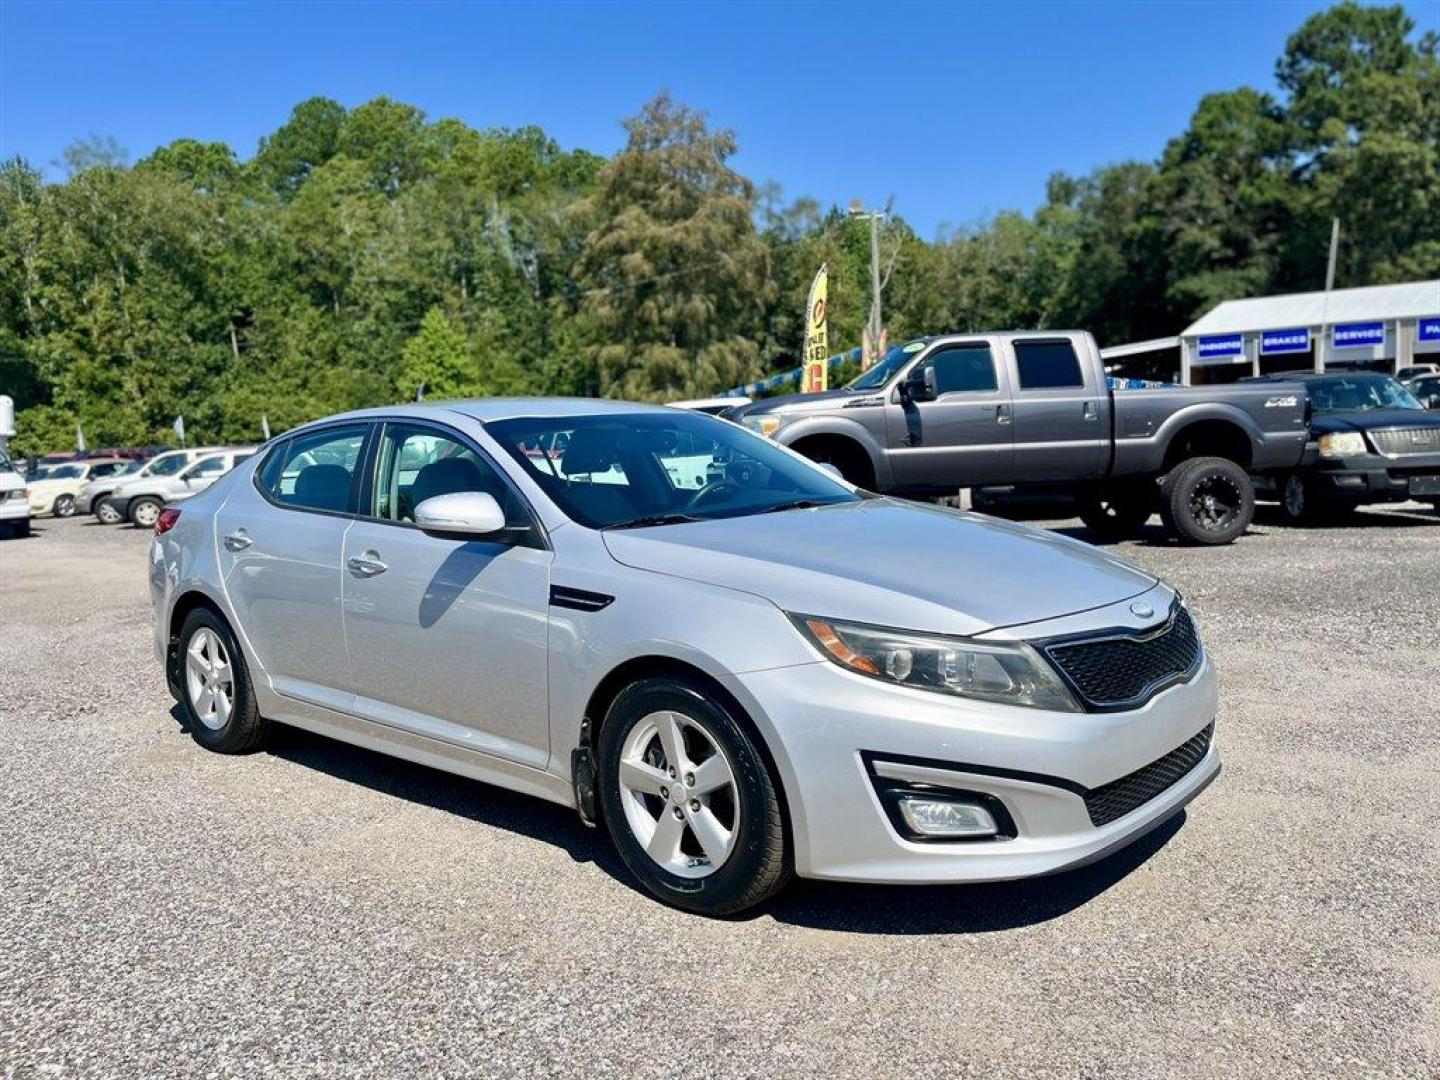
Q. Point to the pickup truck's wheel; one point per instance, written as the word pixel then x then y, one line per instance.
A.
pixel 107 512
pixel 218 697
pixel 1207 500
pixel 64 506
pixel 1117 514
pixel 688 799
pixel 145 511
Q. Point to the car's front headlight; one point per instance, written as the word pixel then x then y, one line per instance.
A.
pixel 766 424
pixel 1011 673
pixel 1342 444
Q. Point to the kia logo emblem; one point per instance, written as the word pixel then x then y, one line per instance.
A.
pixel 1142 610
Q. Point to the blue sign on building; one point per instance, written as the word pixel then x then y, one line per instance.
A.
pixel 1274 342
pixel 1429 330
pixel 1222 346
pixel 1357 335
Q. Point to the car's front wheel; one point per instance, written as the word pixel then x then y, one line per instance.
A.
pixel 217 694
pixel 108 513
pixel 689 800
pixel 64 506
pixel 145 511
pixel 1207 500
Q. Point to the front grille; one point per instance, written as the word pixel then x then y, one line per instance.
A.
pixel 1119 797
pixel 1125 670
pixel 1400 442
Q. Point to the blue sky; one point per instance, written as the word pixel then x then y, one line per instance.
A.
pixel 958 110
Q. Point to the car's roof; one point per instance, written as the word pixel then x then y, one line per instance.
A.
pixel 1292 376
pixel 508 408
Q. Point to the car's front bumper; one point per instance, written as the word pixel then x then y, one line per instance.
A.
pixel 834 732
pixel 1372 478
pixel 14 509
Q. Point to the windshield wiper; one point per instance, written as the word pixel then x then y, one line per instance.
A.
pixel 655 519
pixel 796 504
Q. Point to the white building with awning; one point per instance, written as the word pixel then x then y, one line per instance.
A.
pixel 1379 327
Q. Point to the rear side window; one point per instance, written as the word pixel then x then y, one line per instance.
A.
pixel 960 368
pixel 314 471
pixel 1047 365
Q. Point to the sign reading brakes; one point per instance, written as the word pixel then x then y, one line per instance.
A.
pixel 1357 335
pixel 1222 346
pixel 1274 342
pixel 1428 330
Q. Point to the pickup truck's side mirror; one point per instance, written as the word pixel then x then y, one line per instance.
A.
pixel 920 384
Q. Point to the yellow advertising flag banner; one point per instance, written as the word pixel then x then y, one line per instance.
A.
pixel 817 335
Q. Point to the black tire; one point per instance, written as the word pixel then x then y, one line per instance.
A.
pixel 144 511
pixel 849 459
pixel 758 865
pixel 1207 501
pixel 106 512
pixel 1302 504
pixel 245 730
pixel 1117 514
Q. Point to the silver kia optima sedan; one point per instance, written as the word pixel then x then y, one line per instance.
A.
pixel 738 665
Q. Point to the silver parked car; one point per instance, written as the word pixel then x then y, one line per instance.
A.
pixel 738 665
pixel 140 498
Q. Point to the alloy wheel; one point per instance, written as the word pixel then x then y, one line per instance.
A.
pixel 678 791
pixel 146 514
pixel 1294 498
pixel 65 506
pixel 209 679
pixel 108 514
pixel 1215 502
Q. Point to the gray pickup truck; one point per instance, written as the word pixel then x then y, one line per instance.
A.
pixel 1035 409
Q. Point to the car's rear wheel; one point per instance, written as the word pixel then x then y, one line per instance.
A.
pixel 108 513
pixel 64 505
pixel 217 694
pixel 145 511
pixel 1302 504
pixel 1207 500
pixel 689 800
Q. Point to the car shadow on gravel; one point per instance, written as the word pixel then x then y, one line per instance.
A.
pixel 867 909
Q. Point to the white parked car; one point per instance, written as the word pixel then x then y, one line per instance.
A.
pixel 741 667
pixel 14 499
pixel 139 500
pixel 54 492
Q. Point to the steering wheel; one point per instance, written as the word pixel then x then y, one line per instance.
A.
pixel 709 491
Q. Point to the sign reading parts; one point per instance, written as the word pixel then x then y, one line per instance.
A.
pixel 1428 329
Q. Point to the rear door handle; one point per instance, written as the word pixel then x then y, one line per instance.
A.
pixel 237 541
pixel 1002 414
pixel 1091 413
pixel 367 565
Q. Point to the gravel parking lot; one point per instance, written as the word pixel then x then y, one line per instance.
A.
pixel 320 910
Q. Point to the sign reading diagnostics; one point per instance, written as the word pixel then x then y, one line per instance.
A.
pixel 1275 342
pixel 1221 347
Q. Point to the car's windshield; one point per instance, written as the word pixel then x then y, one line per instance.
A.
pixel 1359 393
pixel 620 469
pixel 888 365
pixel 166 465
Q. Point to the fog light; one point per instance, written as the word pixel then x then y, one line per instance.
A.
pixel 929 816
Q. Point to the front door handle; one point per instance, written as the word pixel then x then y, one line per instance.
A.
pixel 1090 412
pixel 237 541
pixel 1002 414
pixel 367 564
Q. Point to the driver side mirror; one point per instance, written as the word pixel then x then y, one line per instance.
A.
pixel 920 384
pixel 461 514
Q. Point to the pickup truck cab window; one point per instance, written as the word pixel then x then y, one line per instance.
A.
pixel 964 368
pixel 1047 365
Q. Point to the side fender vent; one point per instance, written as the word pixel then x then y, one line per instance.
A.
pixel 579 599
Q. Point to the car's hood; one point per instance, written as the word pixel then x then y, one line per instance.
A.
pixel 799 403
pixel 890 563
pixel 1371 419
pixel 54 485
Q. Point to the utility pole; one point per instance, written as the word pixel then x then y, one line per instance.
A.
pixel 875 322
pixel 1321 345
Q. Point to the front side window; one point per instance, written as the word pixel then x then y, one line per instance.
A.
pixel 66 472
pixel 166 465
pixel 419 463
pixel 314 471
pixel 964 369
pixel 1047 365
pixel 108 468
pixel 621 469
pixel 213 466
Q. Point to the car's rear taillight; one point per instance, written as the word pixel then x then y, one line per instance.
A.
pixel 166 521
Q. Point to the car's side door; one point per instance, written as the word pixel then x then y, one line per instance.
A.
pixel 448 637
pixel 963 435
pixel 1060 412
pixel 279 544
